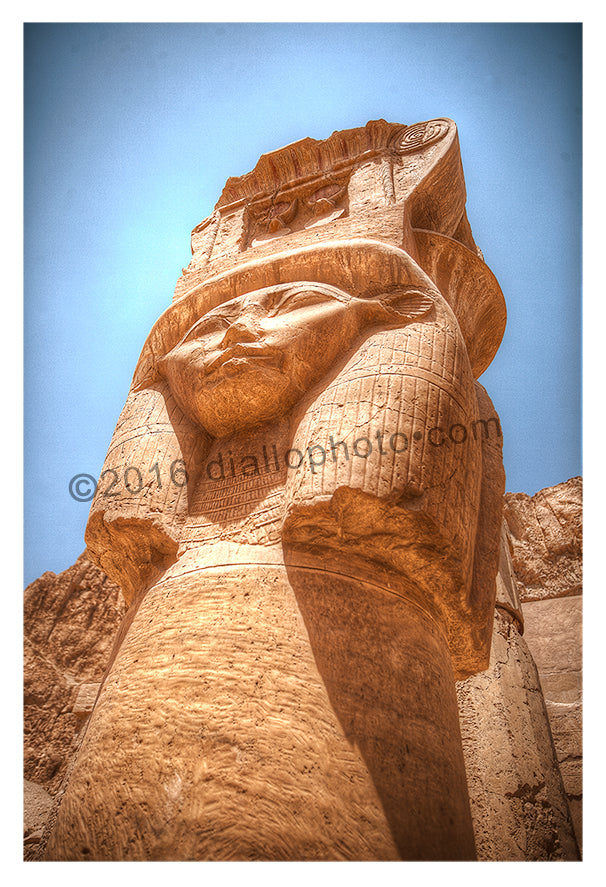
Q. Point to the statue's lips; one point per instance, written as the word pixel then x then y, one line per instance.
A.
pixel 241 355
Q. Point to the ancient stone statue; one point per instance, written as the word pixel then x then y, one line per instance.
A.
pixel 302 505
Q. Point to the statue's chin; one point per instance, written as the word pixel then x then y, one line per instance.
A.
pixel 218 427
pixel 225 413
pixel 238 397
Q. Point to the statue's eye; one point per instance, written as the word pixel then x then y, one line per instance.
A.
pixel 291 301
pixel 206 326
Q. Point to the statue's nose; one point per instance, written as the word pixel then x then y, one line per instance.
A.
pixel 238 332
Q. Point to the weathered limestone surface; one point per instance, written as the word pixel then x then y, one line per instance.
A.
pixel 519 805
pixel 37 807
pixel 545 533
pixel 70 621
pixel 553 631
pixel 546 536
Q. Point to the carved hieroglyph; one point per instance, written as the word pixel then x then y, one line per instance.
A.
pixel 302 505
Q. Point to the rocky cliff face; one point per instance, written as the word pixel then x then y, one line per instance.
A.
pixel 545 534
pixel 545 538
pixel 71 619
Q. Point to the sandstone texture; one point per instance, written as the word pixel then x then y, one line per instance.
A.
pixel 516 798
pixel 545 537
pixel 70 622
pixel 37 808
pixel 302 505
pixel 305 488
pixel 519 805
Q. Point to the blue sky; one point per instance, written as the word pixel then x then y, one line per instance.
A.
pixel 131 131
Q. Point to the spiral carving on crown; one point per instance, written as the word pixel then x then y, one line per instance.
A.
pixel 412 138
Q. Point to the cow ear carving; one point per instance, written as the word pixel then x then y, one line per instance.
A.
pixel 403 303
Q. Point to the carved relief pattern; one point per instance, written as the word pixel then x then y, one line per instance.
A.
pixel 240 495
pixel 315 203
pixel 148 475
pixel 299 588
pixel 399 397
pixel 414 138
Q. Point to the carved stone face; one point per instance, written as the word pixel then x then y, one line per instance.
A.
pixel 250 360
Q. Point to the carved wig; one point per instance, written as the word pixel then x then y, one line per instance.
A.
pixel 407 390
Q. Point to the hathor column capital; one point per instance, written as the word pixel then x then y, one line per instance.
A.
pixel 312 563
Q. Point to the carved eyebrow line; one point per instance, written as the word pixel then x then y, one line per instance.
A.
pixel 206 318
pixel 225 312
pixel 322 293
